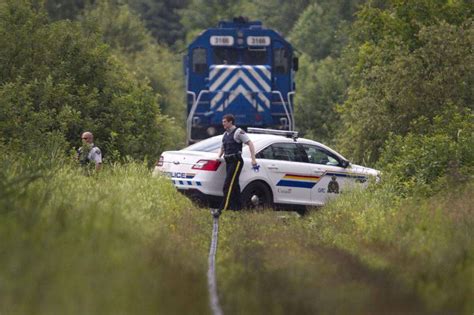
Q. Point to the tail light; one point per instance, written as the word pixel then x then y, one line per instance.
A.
pixel 160 161
pixel 206 165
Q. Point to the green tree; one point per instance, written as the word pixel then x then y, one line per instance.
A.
pixel 432 153
pixel 138 50
pixel 161 18
pixel 323 27
pixel 66 9
pixel 278 14
pixel 201 14
pixel 58 79
pixel 407 62
pixel 320 34
pixel 321 87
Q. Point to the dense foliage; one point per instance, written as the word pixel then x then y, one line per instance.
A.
pixel 409 62
pixel 387 82
pixel 96 245
pixel 58 79
pixel 123 242
pixel 369 69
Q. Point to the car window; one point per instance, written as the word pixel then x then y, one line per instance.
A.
pixel 266 153
pixel 282 152
pixel 317 155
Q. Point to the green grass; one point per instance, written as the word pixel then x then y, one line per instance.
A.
pixel 122 242
pixel 426 242
pixel 109 244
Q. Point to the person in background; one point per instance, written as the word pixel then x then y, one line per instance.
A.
pixel 232 143
pixel 88 152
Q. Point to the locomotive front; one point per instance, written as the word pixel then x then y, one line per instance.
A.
pixel 239 68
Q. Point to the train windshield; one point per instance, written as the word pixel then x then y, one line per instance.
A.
pixel 255 57
pixel 232 56
pixel 225 56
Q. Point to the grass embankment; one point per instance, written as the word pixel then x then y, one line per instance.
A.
pixel 368 252
pixel 125 243
pixel 427 243
pixel 117 243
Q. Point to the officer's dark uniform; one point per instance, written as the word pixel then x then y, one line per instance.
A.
pixel 234 164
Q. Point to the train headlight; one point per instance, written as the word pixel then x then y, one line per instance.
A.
pixel 211 131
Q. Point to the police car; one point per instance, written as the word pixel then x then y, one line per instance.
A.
pixel 293 171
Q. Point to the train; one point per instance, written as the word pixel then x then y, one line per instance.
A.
pixel 240 68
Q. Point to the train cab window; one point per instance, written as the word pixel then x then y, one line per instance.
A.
pixel 255 57
pixel 281 60
pixel 225 56
pixel 199 60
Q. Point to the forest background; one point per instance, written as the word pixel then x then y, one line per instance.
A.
pixel 387 83
pixel 374 74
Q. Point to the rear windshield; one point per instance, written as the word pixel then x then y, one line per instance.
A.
pixel 209 145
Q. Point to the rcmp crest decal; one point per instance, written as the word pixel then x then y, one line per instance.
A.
pixel 333 186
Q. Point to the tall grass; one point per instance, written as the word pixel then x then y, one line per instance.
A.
pixel 114 243
pixel 122 242
pixel 426 242
pixel 368 252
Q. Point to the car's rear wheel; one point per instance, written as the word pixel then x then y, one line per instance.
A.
pixel 257 195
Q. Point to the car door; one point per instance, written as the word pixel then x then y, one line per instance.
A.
pixel 332 177
pixel 288 171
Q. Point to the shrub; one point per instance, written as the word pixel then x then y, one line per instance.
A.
pixel 60 79
pixel 419 161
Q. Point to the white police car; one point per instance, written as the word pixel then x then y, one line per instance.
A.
pixel 293 171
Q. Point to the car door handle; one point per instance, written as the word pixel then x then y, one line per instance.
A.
pixel 272 168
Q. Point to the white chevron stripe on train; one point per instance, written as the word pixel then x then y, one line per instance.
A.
pixel 219 74
pixel 234 81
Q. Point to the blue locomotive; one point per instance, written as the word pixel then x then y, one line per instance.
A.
pixel 241 68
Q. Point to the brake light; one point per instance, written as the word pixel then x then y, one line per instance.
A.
pixel 160 161
pixel 206 165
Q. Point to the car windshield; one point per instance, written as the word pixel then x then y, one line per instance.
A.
pixel 209 145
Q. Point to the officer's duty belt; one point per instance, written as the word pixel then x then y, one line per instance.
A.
pixel 232 157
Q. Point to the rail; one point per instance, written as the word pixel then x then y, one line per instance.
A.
pixel 211 272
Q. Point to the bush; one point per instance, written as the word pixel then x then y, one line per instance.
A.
pixel 120 242
pixel 433 155
pixel 425 244
pixel 60 79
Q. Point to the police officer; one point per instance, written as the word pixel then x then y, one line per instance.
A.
pixel 89 153
pixel 232 142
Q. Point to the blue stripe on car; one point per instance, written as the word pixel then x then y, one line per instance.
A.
pixel 292 183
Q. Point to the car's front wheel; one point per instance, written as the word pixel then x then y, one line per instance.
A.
pixel 257 195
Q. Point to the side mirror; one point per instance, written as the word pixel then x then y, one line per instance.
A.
pixel 295 63
pixel 345 163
